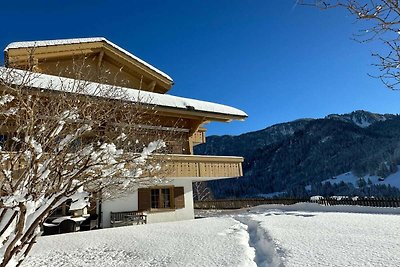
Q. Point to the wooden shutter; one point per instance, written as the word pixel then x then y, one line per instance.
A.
pixel 179 194
pixel 144 199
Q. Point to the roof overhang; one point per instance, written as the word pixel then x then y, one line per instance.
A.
pixel 168 104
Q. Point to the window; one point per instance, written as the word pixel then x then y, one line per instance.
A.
pixel 155 198
pixel 175 147
pixel 166 198
pixel 161 198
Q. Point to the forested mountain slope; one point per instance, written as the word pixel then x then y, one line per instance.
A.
pixel 288 157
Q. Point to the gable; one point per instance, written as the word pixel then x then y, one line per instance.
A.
pixel 92 59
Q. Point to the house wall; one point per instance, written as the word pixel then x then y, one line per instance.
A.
pixel 126 203
pixel 130 203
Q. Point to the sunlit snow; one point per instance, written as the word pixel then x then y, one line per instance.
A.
pixel 348 177
pixel 270 235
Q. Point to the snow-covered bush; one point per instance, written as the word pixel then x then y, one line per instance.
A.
pixel 55 142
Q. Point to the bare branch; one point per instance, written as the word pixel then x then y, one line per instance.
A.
pixel 381 22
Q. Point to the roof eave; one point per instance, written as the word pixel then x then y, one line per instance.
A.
pixel 195 111
pixel 204 115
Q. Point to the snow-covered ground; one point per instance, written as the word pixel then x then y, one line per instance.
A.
pixel 270 235
pixel 327 239
pixel 348 177
pixel 204 242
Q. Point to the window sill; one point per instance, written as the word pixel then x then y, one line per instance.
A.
pixel 161 210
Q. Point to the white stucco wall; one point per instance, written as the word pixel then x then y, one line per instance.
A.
pixel 127 203
pixel 130 203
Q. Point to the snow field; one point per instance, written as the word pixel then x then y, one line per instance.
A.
pixel 348 177
pixel 267 236
pixel 204 242
pixel 332 239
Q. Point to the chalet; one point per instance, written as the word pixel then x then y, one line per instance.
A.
pixel 172 200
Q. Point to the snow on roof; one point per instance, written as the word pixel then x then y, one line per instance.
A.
pixel 56 83
pixel 79 204
pixel 80 41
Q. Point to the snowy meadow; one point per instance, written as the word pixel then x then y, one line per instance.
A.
pixel 297 235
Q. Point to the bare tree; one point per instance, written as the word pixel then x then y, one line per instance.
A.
pixel 59 136
pixel 201 191
pixel 381 23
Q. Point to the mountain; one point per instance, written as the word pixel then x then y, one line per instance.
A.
pixel 245 144
pixel 361 118
pixel 289 157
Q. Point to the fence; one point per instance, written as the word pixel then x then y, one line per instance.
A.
pixel 245 203
pixel 370 202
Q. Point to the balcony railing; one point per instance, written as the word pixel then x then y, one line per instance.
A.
pixel 206 167
pixel 194 166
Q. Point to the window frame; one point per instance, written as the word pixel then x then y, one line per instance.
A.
pixel 161 198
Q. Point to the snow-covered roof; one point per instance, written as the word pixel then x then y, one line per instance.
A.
pixel 56 83
pixel 29 44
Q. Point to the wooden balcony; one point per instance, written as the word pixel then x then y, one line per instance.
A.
pixel 203 167
pixel 195 167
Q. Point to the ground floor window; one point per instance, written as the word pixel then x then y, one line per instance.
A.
pixel 161 198
pixel 166 198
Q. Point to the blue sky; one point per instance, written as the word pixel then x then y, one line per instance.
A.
pixel 276 61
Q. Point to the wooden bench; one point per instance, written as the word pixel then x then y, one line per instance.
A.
pixel 125 218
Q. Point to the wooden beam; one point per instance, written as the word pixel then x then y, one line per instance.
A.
pixel 101 55
pixel 151 86
pixel 49 56
pixel 195 125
